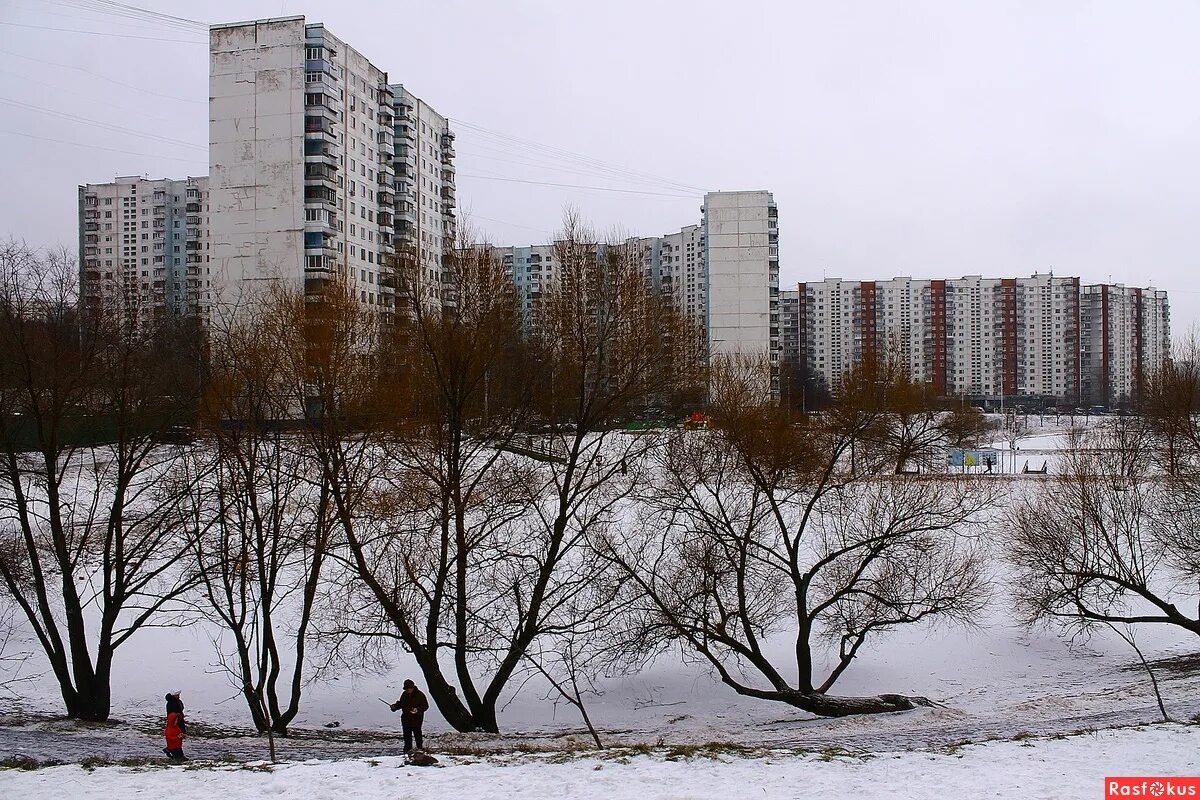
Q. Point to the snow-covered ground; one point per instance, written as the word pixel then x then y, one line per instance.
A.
pixel 998 684
pixel 1062 769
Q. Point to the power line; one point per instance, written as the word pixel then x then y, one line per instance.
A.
pixel 105 125
pixel 101 33
pixel 559 152
pixel 91 146
pixel 103 77
pixel 135 12
pixel 577 186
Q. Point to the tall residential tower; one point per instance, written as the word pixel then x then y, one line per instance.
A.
pixel 300 155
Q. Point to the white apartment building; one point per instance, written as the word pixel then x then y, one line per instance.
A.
pixel 426 227
pixel 741 260
pixel 982 336
pixel 144 246
pixel 300 153
pixel 730 284
pixel 1125 333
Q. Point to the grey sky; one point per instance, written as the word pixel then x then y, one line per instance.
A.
pixel 923 139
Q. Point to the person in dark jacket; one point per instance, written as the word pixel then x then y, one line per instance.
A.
pixel 413 705
pixel 176 727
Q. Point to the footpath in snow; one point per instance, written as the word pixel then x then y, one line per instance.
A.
pixel 1054 769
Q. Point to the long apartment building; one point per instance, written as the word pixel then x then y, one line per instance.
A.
pixel 1041 336
pixel 320 168
pixel 144 246
pixel 723 272
pixel 426 226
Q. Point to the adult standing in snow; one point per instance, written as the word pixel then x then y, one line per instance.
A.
pixel 176 727
pixel 412 705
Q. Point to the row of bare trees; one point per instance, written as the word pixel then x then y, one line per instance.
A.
pixel 1114 539
pixel 456 484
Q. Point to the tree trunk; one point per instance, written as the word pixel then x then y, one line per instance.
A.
pixel 825 705
pixel 89 701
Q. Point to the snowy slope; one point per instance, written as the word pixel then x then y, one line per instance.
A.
pixel 1061 769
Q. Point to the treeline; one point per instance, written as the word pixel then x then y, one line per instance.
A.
pixel 328 485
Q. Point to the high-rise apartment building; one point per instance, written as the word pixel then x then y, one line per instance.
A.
pixel 1125 333
pixel 301 129
pixel 426 227
pixel 724 272
pixel 144 246
pixel 1039 336
pixel 741 260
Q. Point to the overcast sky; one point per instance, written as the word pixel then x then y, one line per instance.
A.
pixel 921 139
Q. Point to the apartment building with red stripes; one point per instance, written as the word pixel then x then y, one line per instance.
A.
pixel 1044 336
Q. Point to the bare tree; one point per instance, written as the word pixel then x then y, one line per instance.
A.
pixel 755 529
pixel 1109 540
pixel 90 529
pixel 424 547
pixel 260 512
pixel 1170 406
pixel 480 550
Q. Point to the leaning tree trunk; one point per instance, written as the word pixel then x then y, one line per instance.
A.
pixel 825 705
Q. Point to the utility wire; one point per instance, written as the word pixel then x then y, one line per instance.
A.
pixel 563 153
pixel 135 13
pixel 102 33
pixel 90 146
pixel 104 78
pixel 105 125
pixel 577 186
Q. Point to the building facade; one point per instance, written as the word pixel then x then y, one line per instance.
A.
pixel 301 150
pixel 1125 332
pixel 144 246
pixel 1042 336
pixel 426 226
pixel 741 264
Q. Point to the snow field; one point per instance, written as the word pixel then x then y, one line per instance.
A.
pixel 1054 769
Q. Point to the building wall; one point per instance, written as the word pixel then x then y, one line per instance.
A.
pixel 144 245
pixel 742 259
pixel 426 226
pixel 1125 332
pixel 300 152
pixel 985 336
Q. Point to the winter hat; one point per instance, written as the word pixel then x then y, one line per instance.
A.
pixel 409 683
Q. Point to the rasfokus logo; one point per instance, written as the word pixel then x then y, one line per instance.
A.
pixel 1158 786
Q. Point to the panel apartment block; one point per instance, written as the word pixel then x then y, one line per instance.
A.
pixel 1043 336
pixel 300 152
pixel 144 246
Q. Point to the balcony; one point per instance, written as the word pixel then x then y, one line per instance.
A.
pixel 406 133
pixel 385 196
pixel 326 222
pixel 319 128
pixel 91 226
pixel 447 155
pixel 317 242
pixel 320 173
pixel 320 195
pixel 317 151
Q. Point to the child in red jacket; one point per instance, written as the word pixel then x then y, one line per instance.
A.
pixel 176 727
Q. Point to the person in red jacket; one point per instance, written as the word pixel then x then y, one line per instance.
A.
pixel 176 727
pixel 414 705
